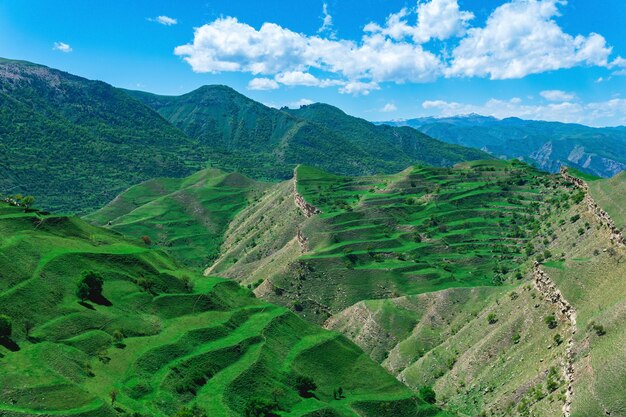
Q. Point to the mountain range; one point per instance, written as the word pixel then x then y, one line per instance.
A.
pixel 232 259
pixel 547 145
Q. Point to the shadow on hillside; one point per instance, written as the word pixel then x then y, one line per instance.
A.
pixel 86 305
pixel 101 300
pixel 9 344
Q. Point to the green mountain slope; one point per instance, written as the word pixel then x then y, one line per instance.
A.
pixel 422 230
pixel 187 217
pixel 160 338
pixel 75 144
pixel 547 145
pixel 431 271
pixel 263 142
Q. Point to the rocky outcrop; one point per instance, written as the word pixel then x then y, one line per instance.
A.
pixel 309 210
pixel 302 240
pixel 566 312
pixel 603 217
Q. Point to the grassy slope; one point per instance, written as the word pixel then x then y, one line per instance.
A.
pixel 610 194
pixel 75 144
pixel 213 345
pixel 187 217
pixel 418 231
pixel 433 330
pixel 444 337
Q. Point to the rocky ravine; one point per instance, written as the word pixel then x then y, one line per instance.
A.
pixel 565 311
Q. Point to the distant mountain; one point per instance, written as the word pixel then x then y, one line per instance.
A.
pixel 75 143
pixel 548 145
pixel 264 142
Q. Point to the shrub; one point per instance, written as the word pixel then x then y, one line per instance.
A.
pixel 6 326
pixel 260 407
pixel 492 318
pixel 551 321
pixel 146 240
pixel 428 394
pixel 558 339
pixel 305 385
pixel 90 286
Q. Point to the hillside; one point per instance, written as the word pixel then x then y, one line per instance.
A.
pixel 156 338
pixel 187 217
pixel 263 142
pixel 432 272
pixel 547 145
pixel 75 144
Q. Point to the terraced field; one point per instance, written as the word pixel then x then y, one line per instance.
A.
pixel 186 217
pixel 160 338
pixel 422 230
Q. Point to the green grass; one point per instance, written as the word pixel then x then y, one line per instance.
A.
pixel 421 230
pixel 186 217
pixel 209 344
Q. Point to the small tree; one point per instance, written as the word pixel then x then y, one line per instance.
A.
pixel 28 201
pixel 6 326
pixel 305 385
pixel 428 394
pixel 113 395
pixel 551 321
pixel 492 318
pixel 82 292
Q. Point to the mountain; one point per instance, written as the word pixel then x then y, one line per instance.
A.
pixel 153 339
pixel 547 145
pixel 75 144
pixel 263 142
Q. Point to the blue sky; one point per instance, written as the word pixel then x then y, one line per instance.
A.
pixel 378 59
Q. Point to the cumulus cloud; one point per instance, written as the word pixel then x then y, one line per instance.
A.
pixel 262 84
pixel 519 38
pixel 229 45
pixel 522 38
pixel 389 108
pixel 62 46
pixel 164 20
pixel 557 95
pixel 594 114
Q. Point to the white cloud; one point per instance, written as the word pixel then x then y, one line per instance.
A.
pixel 164 20
pixel 441 19
pixel 228 45
pixel 519 38
pixel 557 95
pixel 300 103
pixel 293 78
pixel 522 38
pixel 436 19
pixel 327 22
pixel 62 46
pixel 594 114
pixel 389 108
pixel 262 84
